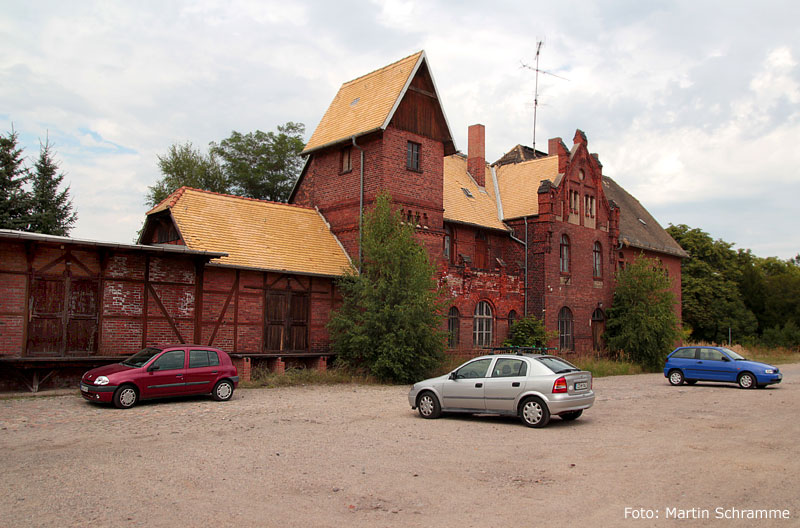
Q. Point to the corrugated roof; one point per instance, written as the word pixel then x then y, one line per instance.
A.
pixel 256 233
pixel 364 104
pixel 478 209
pixel 519 185
pixel 637 227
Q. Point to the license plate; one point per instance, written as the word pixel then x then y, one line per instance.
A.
pixel 84 388
pixel 582 385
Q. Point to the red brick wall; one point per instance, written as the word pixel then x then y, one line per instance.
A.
pixel 13 288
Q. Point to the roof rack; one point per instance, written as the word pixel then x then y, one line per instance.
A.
pixel 519 350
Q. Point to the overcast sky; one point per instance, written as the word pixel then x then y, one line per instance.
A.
pixel 693 107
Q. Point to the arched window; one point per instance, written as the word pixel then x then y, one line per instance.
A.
pixel 565 340
pixel 564 254
pixel 598 327
pixel 597 260
pixel 482 325
pixel 512 318
pixel 453 318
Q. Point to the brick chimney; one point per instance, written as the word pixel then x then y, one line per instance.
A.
pixel 476 153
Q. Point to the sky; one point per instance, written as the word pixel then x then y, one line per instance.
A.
pixel 692 106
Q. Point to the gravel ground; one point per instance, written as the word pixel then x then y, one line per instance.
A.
pixel 358 456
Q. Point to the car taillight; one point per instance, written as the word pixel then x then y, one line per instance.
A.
pixel 560 385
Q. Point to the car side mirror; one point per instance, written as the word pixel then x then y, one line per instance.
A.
pixel 725 358
pixel 151 368
pixel 453 375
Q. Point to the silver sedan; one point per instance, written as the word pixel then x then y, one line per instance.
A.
pixel 531 386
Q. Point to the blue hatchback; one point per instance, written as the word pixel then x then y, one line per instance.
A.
pixel 702 363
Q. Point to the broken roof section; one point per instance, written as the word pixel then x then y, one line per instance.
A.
pixel 465 201
pixel 255 234
pixel 368 103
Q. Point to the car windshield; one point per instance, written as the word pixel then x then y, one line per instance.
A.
pixel 734 356
pixel 558 365
pixel 141 357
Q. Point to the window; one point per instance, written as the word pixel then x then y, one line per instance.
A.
pixel 565 340
pixel 512 318
pixel 347 162
pixel 621 261
pixel 448 244
pixel 170 360
pixel 506 368
pixel 482 325
pixel 574 202
pixel 412 156
pixel 203 358
pixel 709 354
pixel 453 319
pixel 564 254
pixel 597 260
pixel 588 206
pixel 684 353
pixel 476 369
pixel 481 251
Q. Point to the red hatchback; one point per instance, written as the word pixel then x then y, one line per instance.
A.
pixel 157 372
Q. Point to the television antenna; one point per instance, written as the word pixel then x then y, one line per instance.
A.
pixel 536 69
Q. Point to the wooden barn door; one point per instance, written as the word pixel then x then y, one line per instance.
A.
pixel 286 322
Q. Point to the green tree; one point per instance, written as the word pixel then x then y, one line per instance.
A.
pixel 51 211
pixel 390 319
pixel 14 200
pixel 184 165
pixel 642 322
pixel 263 165
pixel 711 280
pixel 529 332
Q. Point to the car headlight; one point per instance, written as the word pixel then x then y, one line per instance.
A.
pixel 101 380
pixel 769 371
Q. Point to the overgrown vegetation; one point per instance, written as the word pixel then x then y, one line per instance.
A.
pixel 390 321
pixel 642 325
pixel 529 332
pixel 602 367
pixel 262 377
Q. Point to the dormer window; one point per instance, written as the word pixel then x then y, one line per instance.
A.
pixel 467 192
pixel 412 156
pixel 347 160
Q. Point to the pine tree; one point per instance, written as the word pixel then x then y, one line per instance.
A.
pixel 642 322
pixel 52 212
pixel 14 201
pixel 390 321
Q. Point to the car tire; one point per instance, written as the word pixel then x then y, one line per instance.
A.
pixel 428 405
pixel 690 382
pixel 223 390
pixel 675 377
pixel 747 381
pixel 125 397
pixel 534 412
pixel 574 415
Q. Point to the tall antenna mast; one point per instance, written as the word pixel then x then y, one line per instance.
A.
pixel 536 88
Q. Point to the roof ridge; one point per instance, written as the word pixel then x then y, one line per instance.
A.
pixel 374 72
pixel 171 197
pixel 225 195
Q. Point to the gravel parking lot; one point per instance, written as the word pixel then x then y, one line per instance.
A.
pixel 358 456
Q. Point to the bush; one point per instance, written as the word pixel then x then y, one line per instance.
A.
pixel 528 332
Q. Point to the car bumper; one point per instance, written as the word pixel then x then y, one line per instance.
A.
pixel 570 402
pixel 98 393
pixel 769 379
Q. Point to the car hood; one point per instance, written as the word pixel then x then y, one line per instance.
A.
pixel 432 381
pixel 747 364
pixel 106 370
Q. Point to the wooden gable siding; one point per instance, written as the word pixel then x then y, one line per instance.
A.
pixel 420 111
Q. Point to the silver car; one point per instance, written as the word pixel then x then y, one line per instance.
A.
pixel 531 386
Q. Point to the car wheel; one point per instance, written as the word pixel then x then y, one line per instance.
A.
pixel 125 397
pixel 534 412
pixel 690 382
pixel 568 417
pixel 428 405
pixel 223 390
pixel 675 377
pixel 747 381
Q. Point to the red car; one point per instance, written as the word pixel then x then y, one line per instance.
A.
pixel 157 372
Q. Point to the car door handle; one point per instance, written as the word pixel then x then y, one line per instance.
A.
pixel 478 385
pixel 515 384
pixel 178 375
pixel 214 371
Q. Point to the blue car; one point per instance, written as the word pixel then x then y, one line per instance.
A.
pixel 703 363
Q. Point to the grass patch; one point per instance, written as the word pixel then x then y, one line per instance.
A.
pixel 292 377
pixel 602 367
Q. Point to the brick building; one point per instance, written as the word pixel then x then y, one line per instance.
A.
pixel 532 233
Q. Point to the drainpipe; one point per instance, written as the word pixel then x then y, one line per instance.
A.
pixel 360 201
pixel 525 290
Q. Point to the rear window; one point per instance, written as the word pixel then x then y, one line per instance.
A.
pixel 557 365
pixel 203 358
pixel 683 353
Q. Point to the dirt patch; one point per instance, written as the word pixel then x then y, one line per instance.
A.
pixel 358 456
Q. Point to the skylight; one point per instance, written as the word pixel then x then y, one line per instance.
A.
pixel 466 191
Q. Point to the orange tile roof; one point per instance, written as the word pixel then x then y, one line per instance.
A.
pixel 364 104
pixel 481 208
pixel 256 233
pixel 519 185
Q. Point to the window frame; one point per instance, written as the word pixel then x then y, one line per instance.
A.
pixel 564 255
pixel 346 160
pixel 414 156
pixel 453 327
pixel 566 334
pixel 597 260
pixel 483 325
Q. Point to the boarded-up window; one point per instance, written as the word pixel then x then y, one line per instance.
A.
pixel 53 307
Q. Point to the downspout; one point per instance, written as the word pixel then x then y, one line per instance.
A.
pixel 360 201
pixel 525 287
